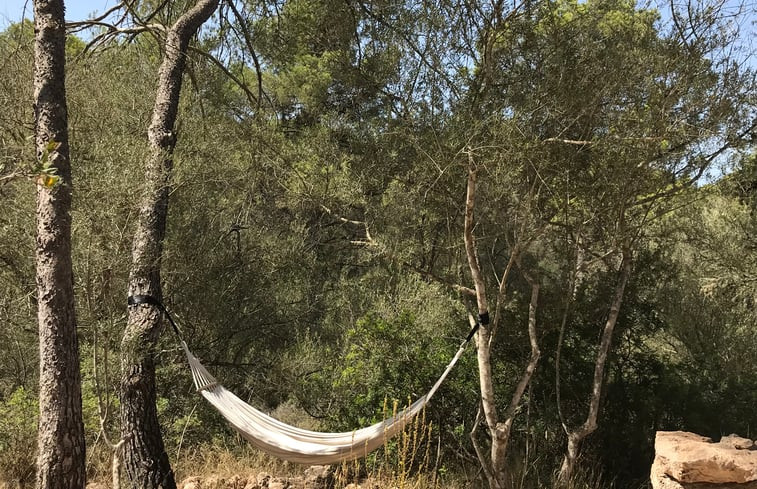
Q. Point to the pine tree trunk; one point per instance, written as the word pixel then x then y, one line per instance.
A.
pixel 144 458
pixel 61 431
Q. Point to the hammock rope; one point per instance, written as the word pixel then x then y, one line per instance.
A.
pixel 289 442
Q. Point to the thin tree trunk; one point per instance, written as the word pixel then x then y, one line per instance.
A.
pixel 528 372
pixel 144 457
pixel 496 463
pixel 500 431
pixel 575 437
pixel 60 461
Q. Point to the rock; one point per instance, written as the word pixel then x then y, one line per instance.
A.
pixel 236 482
pixel 277 483
pixel 214 482
pixel 218 482
pixel 319 477
pixel 683 459
pixel 738 442
pixel 296 483
pixel 239 482
pixel 188 483
pixel 660 480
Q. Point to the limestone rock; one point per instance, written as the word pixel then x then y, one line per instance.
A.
pixel 738 442
pixel 277 483
pixel 685 458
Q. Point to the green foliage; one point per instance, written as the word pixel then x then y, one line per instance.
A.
pixel 18 435
pixel 313 237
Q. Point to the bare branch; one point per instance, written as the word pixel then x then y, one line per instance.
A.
pixel 368 238
pixel 470 241
pixel 576 436
pixel 502 291
pixel 250 96
pixel 533 360
pixel 428 274
pixel 251 48
pixel 677 187
pixel 483 461
pixel 114 31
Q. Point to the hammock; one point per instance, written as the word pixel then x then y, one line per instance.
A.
pixel 304 446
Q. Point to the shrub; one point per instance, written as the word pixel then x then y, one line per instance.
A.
pixel 18 435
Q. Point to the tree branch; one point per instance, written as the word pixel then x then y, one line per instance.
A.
pixel 250 47
pixel 250 96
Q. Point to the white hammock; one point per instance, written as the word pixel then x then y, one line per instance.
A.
pixel 303 446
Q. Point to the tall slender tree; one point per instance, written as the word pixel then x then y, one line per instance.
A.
pixel 61 430
pixel 145 459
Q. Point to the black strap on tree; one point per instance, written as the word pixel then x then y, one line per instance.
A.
pixel 482 319
pixel 472 332
pixel 135 300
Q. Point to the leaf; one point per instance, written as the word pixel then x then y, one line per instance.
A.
pixel 47 180
pixel 52 146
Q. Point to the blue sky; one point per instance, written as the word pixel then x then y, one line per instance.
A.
pixel 13 10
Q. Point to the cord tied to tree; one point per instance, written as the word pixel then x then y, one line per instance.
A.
pixel 135 300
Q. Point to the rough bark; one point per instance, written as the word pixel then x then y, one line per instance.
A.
pixel 575 437
pixel 60 458
pixel 145 461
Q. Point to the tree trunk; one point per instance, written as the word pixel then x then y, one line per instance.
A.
pixel 494 466
pixel 575 437
pixel 61 430
pixel 144 457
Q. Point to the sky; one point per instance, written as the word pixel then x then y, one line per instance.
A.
pixel 15 10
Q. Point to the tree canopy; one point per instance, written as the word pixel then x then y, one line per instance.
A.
pixel 314 250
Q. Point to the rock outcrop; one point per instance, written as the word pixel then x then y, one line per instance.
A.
pixel 316 477
pixel 688 461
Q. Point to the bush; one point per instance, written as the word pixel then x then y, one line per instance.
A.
pixel 18 436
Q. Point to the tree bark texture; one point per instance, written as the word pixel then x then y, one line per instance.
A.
pixel 499 426
pixel 60 459
pixel 575 437
pixel 145 460
pixel 495 466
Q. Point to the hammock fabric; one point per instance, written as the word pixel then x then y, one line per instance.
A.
pixel 303 446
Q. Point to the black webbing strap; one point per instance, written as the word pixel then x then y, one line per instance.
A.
pixel 483 318
pixel 472 332
pixel 135 300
